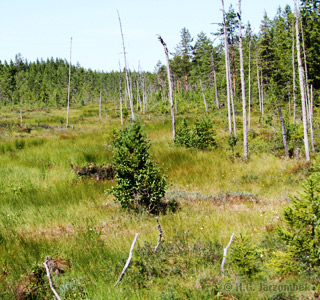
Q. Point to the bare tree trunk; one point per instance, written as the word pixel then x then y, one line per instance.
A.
pixel 243 89
pixel 215 81
pixel 226 49
pixel 121 112
pixel 258 79
pixel 144 94
pixel 126 70
pixel 294 75
pixel 262 104
pixel 68 107
pixel 232 106
pixel 249 108
pixel 302 87
pixel 283 129
pixel 204 97
pixel 305 70
pixel 170 87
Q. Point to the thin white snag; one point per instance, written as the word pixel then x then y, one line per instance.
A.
pixel 50 282
pixel 128 260
pixel 225 251
pixel 160 235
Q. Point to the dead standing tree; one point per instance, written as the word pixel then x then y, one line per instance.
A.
pixel 243 89
pixel 68 107
pixel 126 70
pixel 166 51
pixel 226 49
pixel 302 86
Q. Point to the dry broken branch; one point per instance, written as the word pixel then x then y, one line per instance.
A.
pixel 128 260
pixel 225 251
pixel 160 235
pixel 50 282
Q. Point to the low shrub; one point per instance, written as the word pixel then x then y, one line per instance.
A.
pixel 201 136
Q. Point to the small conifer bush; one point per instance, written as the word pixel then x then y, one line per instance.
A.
pixel 140 184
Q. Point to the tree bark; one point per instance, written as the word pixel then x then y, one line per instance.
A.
pixel 243 90
pixel 302 87
pixel 226 49
pixel 166 51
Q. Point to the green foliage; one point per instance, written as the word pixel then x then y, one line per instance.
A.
pixel 294 135
pixel 140 185
pixel 232 142
pixel 202 136
pixel 245 256
pixel 301 231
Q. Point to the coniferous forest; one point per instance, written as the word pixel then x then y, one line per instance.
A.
pixel 199 180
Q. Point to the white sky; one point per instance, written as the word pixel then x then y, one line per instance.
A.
pixel 43 28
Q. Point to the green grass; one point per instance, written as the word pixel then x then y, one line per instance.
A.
pixel 46 210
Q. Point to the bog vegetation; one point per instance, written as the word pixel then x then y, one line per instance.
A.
pixel 75 195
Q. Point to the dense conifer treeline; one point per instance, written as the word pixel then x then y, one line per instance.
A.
pixel 193 64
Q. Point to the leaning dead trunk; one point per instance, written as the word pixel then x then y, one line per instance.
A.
pixel 170 87
pixel 126 71
pixel 302 87
pixel 243 89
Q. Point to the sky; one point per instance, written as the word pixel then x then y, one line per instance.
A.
pixel 43 28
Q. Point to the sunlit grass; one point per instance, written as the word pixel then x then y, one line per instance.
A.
pixel 46 210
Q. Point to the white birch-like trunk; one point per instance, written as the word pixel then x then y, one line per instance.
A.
pixel 294 76
pixel 258 80
pixel 249 87
pixel 204 97
pixel 232 106
pixel 243 89
pixel 170 87
pixel 68 107
pixel 126 71
pixel 302 87
pixel 226 49
pixel 262 104
pixel 121 109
